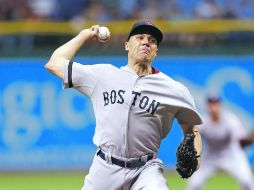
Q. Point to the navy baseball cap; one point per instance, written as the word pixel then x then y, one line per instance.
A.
pixel 146 27
pixel 213 99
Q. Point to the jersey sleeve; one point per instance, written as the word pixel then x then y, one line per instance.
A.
pixel 237 129
pixel 81 77
pixel 187 112
pixel 188 117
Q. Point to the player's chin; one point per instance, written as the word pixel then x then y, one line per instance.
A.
pixel 146 58
pixel 141 59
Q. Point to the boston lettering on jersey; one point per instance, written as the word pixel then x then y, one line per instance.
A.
pixel 113 97
pixel 144 102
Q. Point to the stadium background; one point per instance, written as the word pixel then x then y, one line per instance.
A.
pixel 208 45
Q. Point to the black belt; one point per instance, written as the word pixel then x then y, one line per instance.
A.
pixel 126 164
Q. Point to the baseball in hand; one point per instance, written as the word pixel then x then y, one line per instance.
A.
pixel 103 33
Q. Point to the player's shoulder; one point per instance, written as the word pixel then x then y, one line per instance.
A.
pixel 168 79
pixel 172 82
pixel 177 89
pixel 105 67
pixel 230 116
pixel 109 66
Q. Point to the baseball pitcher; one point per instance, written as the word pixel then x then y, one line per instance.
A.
pixel 134 106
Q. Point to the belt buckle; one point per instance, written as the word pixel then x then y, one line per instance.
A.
pixel 128 164
pixel 140 163
pixel 137 162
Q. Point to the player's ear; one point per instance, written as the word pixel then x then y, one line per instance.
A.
pixel 157 51
pixel 126 46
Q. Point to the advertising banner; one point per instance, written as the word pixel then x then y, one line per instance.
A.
pixel 46 127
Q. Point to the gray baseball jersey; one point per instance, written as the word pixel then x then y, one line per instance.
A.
pixel 223 151
pixel 133 113
pixel 222 138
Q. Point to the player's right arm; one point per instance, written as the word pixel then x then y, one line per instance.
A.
pixel 67 51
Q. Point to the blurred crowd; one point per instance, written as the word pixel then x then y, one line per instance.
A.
pixel 107 10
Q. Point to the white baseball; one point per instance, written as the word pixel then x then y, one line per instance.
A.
pixel 103 33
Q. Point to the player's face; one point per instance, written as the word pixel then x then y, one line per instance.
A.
pixel 142 48
pixel 214 108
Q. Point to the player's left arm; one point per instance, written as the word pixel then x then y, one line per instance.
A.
pixel 189 129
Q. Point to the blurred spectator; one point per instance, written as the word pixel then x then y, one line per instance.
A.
pixel 150 10
pixel 228 8
pixel 45 9
pixel 7 10
pixel 121 9
pixel 97 10
pixel 76 12
pixel 127 8
pixel 207 9
pixel 172 10
pixel 245 9
pixel 67 9
pixel 16 10
pixel 112 7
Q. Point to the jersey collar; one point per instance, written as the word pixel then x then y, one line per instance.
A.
pixel 155 71
pixel 127 68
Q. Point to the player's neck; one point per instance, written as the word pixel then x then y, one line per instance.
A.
pixel 141 68
pixel 215 117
